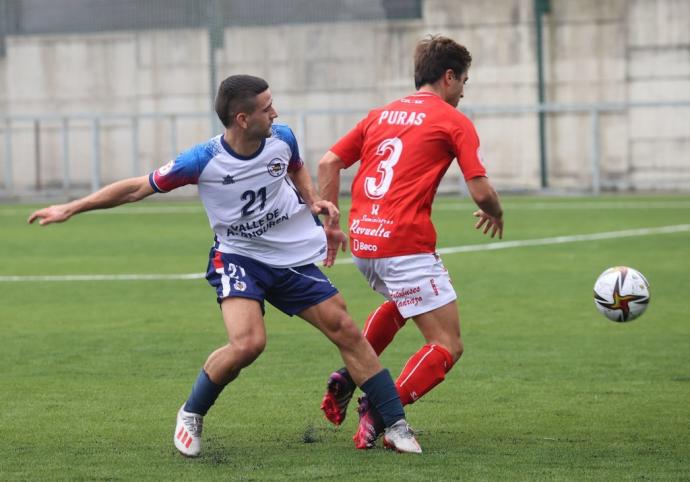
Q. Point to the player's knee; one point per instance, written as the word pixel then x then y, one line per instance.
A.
pixel 453 349
pixel 456 350
pixel 345 331
pixel 248 350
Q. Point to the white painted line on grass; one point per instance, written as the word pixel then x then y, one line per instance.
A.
pixel 443 206
pixel 679 228
pixel 537 206
pixel 105 277
pixel 125 211
pixel 627 233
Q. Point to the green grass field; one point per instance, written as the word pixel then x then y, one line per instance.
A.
pixel 93 372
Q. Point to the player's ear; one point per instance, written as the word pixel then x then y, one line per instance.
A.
pixel 241 120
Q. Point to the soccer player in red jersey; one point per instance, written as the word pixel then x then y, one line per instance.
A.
pixel 405 148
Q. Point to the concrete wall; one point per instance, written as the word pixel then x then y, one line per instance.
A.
pixel 595 51
pixel 658 67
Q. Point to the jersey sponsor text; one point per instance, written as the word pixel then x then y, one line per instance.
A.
pixel 379 231
pixel 257 227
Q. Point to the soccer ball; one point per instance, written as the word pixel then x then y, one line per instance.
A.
pixel 621 294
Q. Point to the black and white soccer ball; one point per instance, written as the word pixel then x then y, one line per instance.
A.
pixel 621 294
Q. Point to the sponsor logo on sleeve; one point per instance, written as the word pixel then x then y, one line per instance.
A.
pixel 163 170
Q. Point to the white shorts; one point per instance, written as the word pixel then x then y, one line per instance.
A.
pixel 416 283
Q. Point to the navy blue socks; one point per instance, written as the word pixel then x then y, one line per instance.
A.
pixel 381 392
pixel 204 394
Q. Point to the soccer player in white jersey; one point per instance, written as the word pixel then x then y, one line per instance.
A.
pixel 263 208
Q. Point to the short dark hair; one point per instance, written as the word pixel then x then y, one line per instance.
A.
pixel 237 94
pixel 435 55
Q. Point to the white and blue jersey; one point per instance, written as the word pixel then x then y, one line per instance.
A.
pixel 251 203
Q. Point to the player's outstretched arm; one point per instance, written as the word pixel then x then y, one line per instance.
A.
pixel 120 192
pixel 490 212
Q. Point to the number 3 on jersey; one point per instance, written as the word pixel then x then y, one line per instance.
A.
pixel 377 188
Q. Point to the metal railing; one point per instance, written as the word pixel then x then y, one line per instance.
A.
pixel 10 124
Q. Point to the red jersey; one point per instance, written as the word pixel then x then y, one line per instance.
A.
pixel 405 148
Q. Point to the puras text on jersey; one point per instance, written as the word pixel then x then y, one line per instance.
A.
pixel 257 227
pixel 401 118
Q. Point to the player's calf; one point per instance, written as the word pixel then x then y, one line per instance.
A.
pixel 422 372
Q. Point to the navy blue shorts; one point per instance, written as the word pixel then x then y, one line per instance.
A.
pixel 291 290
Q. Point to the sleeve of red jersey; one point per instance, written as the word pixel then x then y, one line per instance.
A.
pixel 466 143
pixel 349 147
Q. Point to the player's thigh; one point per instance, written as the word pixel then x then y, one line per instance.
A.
pixel 331 317
pixel 240 284
pixel 441 326
pixel 244 322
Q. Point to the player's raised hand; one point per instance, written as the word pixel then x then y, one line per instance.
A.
pixel 335 240
pixel 52 214
pixel 489 223
pixel 329 209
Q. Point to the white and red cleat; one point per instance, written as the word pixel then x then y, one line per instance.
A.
pixel 400 438
pixel 187 435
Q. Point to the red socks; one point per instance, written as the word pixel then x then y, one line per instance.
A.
pixel 382 325
pixel 423 371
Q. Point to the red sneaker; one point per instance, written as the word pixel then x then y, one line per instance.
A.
pixel 370 425
pixel 338 394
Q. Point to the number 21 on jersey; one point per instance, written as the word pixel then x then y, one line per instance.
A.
pixel 377 187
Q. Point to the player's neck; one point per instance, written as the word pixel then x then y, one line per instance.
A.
pixel 432 89
pixel 240 144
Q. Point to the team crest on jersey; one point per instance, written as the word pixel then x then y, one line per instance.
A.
pixel 163 170
pixel 276 167
pixel 239 285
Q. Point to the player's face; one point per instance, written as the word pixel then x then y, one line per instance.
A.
pixel 456 88
pixel 260 121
